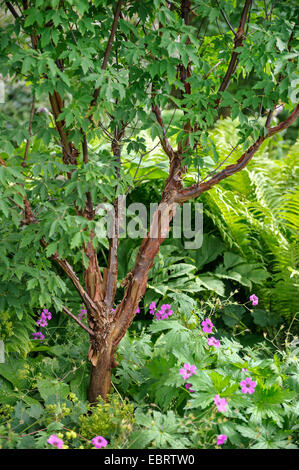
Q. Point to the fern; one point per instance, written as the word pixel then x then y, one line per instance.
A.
pixel 256 211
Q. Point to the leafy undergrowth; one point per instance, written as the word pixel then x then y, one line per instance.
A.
pixel 181 383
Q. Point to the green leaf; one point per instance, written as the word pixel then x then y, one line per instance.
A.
pixel 76 240
pixel 53 391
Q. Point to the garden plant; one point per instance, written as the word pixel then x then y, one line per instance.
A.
pixel 149 341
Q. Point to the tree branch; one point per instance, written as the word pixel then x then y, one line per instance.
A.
pixel 239 36
pixel 197 189
pixel 30 131
pixel 12 10
pixel 70 314
pixel 164 140
pixel 109 46
pixel 28 212
pixel 226 19
pixel 111 284
pixel 69 152
pixel 69 271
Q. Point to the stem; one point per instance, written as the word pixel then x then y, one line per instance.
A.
pixel 30 131
pixel 70 314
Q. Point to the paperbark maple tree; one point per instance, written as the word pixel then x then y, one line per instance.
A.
pixel 102 65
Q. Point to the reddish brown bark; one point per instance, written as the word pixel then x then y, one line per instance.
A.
pixel 100 376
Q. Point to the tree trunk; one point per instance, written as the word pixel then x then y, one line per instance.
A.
pixel 100 375
pixel 102 351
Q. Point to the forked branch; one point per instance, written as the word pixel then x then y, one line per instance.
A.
pixel 197 189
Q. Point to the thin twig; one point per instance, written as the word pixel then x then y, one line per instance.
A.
pixel 30 131
pixel 265 4
pixel 70 314
pixel 237 43
pixel 226 19
pixel 108 48
pixel 211 69
pixel 149 151
pixel 220 165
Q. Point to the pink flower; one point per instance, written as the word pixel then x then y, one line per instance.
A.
pixel 46 314
pixel 188 387
pixel 221 403
pixel 99 442
pixel 207 326
pixel 254 299
pixel 152 308
pixel 248 385
pixel 38 335
pixel 82 313
pixel 137 310
pixel 166 309
pixel 244 370
pixel 187 371
pixel 160 315
pixel 221 439
pixel 55 441
pixel 214 342
pixel 164 313
pixel 42 322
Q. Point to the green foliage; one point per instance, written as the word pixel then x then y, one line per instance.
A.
pixel 159 431
pixel 256 213
pixel 169 416
pixel 43 395
pixel 186 274
pixel 113 419
pixel 15 331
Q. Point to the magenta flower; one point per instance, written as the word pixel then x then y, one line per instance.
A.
pixel 55 441
pixel 99 442
pixel 187 371
pixel 166 309
pixel 152 308
pixel 254 299
pixel 164 313
pixel 248 385
pixel 82 313
pixel 207 326
pixel 46 315
pixel 137 310
pixel 160 315
pixel 188 387
pixel 221 403
pixel 38 335
pixel 214 342
pixel 244 370
pixel 42 322
pixel 221 439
